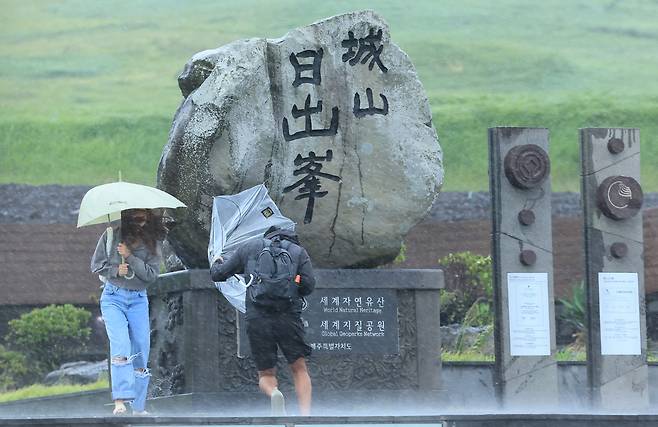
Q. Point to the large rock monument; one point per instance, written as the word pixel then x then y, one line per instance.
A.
pixel 331 117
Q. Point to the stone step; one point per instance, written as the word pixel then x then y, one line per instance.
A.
pixel 451 420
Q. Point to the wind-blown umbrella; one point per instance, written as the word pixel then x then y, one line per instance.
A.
pixel 236 220
pixel 104 203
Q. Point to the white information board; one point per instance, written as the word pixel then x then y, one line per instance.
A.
pixel 619 314
pixel 527 297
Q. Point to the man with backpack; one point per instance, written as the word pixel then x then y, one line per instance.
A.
pixel 282 275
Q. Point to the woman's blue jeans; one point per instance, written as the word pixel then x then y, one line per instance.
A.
pixel 126 317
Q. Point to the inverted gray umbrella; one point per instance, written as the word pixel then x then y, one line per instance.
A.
pixel 236 220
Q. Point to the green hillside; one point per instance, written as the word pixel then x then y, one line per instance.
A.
pixel 86 85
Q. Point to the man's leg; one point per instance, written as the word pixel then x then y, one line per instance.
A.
pixel 263 350
pixel 290 336
pixel 267 381
pixel 303 386
pixel 269 385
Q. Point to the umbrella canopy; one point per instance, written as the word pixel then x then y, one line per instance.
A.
pixel 237 219
pixel 104 203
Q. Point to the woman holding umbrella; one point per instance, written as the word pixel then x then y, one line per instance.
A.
pixel 127 258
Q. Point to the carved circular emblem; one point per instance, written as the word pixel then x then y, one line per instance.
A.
pixel 615 146
pixel 618 250
pixel 619 197
pixel 528 257
pixel 526 217
pixel 527 166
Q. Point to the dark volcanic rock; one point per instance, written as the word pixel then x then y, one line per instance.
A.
pixel 58 204
pixel 45 204
pixel 77 373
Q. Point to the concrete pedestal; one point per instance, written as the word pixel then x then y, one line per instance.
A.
pixel 194 337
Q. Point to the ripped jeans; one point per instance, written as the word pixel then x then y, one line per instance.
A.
pixel 126 317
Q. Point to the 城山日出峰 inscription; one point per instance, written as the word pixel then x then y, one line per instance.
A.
pixel 307 67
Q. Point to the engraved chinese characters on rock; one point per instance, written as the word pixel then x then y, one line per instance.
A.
pixel 369 46
pixel 314 67
pixel 315 79
pixel 309 185
pixel 371 109
pixel 307 112
pixel 307 67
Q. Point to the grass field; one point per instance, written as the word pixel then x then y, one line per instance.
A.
pixel 86 85
pixel 40 390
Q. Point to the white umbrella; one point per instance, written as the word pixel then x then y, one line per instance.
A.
pixel 104 203
pixel 237 219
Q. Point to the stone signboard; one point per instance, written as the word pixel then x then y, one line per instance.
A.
pixel 347 321
pixel 331 117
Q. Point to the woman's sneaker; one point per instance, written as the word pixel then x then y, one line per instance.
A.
pixel 119 409
pixel 278 403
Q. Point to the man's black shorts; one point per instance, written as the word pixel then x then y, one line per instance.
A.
pixel 265 333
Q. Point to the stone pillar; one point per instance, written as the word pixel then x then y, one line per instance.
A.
pixel 524 327
pixel 185 338
pixel 200 339
pixel 428 340
pixel 612 200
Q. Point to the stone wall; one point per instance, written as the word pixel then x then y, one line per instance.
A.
pixel 194 343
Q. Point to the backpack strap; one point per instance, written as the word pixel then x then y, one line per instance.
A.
pixel 298 256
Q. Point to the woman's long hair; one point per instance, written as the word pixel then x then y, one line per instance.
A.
pixel 149 234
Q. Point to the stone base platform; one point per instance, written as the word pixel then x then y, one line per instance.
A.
pixel 332 408
pixel 453 420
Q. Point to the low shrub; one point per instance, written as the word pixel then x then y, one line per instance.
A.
pixel 574 313
pixel 402 255
pixel 50 336
pixel 468 288
pixel 13 370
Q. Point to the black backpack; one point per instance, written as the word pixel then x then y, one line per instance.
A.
pixel 274 283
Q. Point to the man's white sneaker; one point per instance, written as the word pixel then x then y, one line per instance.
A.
pixel 278 403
